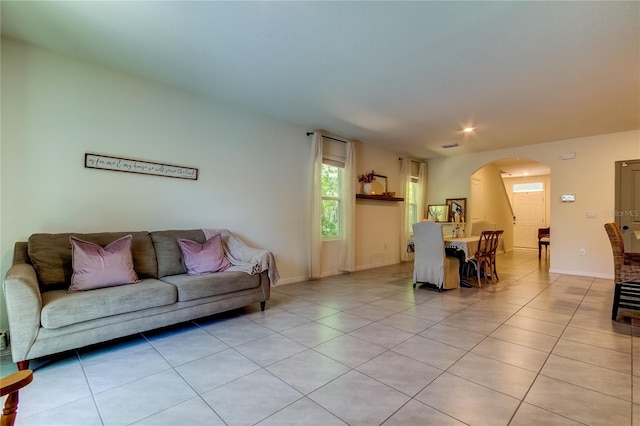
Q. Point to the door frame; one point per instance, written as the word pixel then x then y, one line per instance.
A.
pixel 617 213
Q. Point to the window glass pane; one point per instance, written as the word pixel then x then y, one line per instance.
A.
pixel 528 187
pixel 330 181
pixel 331 201
pixel 330 218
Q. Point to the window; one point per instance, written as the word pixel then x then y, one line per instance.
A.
pixel 528 187
pixel 331 201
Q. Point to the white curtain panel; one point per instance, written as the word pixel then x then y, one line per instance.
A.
pixel 347 244
pixel 405 182
pixel 315 238
pixel 422 191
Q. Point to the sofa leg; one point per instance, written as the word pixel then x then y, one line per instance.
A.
pixel 23 365
pixel 263 305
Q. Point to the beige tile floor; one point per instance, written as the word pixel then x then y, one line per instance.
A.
pixel 366 349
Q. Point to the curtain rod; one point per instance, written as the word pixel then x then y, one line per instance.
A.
pixel 327 137
pixel 414 160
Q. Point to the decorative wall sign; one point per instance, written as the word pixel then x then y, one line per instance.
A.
pixel 105 162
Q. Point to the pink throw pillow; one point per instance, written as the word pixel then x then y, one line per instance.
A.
pixel 97 267
pixel 203 258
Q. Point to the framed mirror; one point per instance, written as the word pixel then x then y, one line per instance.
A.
pixel 457 209
pixel 379 186
pixel 437 212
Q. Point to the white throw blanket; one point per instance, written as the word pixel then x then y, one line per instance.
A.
pixel 244 258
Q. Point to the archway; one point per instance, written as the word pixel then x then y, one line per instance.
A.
pixel 513 193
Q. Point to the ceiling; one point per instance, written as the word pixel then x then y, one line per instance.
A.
pixel 519 167
pixel 406 76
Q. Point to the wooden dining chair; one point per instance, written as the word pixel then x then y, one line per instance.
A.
pixel 10 385
pixel 544 239
pixel 495 240
pixel 482 257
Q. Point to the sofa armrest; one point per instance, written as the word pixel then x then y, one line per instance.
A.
pixel 24 305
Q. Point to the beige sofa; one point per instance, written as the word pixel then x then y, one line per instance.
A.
pixel 45 318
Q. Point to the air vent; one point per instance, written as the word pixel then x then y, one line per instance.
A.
pixel 450 145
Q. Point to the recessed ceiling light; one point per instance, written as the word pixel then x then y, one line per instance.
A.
pixel 468 129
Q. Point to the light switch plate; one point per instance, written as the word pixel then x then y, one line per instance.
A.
pixel 568 198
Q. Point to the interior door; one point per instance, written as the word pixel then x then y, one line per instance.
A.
pixel 477 211
pixel 628 203
pixel 528 207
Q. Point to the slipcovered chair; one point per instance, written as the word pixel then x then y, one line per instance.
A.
pixel 481 225
pixel 626 268
pixel 431 265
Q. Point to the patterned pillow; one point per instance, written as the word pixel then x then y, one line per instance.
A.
pixel 203 258
pixel 97 267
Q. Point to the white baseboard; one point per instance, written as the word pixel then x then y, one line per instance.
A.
pixel 376 265
pixel 581 273
pixel 291 280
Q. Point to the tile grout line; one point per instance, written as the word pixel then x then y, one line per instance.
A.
pixel 549 356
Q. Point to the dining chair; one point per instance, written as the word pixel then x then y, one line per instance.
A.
pixel 495 240
pixel 544 239
pixel 482 257
pixel 626 269
pixel 10 386
pixel 431 265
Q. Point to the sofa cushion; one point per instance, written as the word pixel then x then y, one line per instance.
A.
pixel 50 255
pixel 196 286
pixel 95 266
pixel 203 258
pixel 168 250
pixel 61 308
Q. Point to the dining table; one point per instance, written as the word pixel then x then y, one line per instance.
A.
pixel 469 245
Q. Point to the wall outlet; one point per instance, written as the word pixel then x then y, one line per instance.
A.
pixel 583 252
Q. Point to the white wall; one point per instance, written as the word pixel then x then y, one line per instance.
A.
pixel 378 222
pixel 253 170
pixel 496 207
pixel 590 176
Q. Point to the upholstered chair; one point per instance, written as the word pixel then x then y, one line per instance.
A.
pixel 626 268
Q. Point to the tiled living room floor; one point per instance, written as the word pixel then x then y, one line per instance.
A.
pixel 365 349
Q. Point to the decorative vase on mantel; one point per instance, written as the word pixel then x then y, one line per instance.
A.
pixel 366 188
